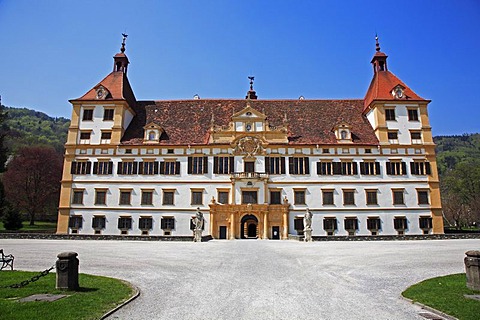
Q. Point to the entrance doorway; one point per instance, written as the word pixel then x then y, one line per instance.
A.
pixel 276 233
pixel 249 227
pixel 222 232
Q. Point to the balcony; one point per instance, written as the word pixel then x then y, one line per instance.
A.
pixel 249 176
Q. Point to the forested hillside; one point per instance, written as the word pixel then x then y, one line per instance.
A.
pixel 25 127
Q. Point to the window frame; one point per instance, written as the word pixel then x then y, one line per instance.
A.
pixel 389 114
pixel 423 197
pixel 348 197
pixel 123 197
pixel 412 114
pixel 371 194
pixel 196 197
pixel 147 197
pixel 300 196
pixel 97 197
pixel 77 196
pixel 106 114
pixel 396 197
pixel 87 114
pixel 166 192
pixel 329 192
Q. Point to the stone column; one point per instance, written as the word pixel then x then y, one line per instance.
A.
pixel 67 271
pixel 265 225
pixel 285 226
pixel 232 225
pixel 472 268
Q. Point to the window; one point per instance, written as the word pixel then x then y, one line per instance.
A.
pixel 425 222
pixel 299 196
pixel 81 167
pixel 105 137
pixel 327 196
pixel 398 197
pixel 128 151
pixel 147 197
pixel 249 166
pixel 77 197
pixel 197 197
pixel 152 135
pixel 148 167
pixel 125 223
pixel 127 167
pixel 298 165
pixel 167 223
pixel 125 196
pixel 400 223
pixel 108 114
pixel 373 223
pixel 370 168
pixel 275 165
pixel 98 222
pixel 348 168
pixel 223 197
pixel 412 115
pixel 349 197
pixel 87 115
pixel 416 137
pixel 275 197
pixel 75 222
pixel 330 224
pixel 145 223
pixel 325 150
pixel 392 137
pixel 324 168
pixel 372 197
pixel 351 224
pixel 197 165
pixel 420 168
pixel 170 167
pixel 249 197
pixel 368 150
pixel 223 165
pixel 101 197
pixel 422 196
pixel 85 137
pixel 390 114
pixel 168 196
pixel 396 168
pixel 103 167
pixel 298 224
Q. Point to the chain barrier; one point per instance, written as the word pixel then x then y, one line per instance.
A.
pixel 32 279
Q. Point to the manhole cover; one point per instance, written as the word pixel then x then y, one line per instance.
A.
pixel 43 297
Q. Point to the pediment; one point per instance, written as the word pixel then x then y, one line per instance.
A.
pixel 249 113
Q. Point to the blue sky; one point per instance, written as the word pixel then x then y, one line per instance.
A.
pixel 53 51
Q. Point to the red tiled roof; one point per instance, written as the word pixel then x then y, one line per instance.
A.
pixel 118 86
pixel 309 121
pixel 381 88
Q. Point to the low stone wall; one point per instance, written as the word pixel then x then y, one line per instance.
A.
pixel 396 237
pixel 50 236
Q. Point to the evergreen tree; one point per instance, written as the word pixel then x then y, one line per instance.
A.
pixel 12 220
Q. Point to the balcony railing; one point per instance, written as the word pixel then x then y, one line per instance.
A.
pixel 249 175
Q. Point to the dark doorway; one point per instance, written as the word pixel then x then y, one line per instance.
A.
pixel 276 233
pixel 223 232
pixel 249 166
pixel 248 227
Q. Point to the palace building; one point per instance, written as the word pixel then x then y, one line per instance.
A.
pixel 253 167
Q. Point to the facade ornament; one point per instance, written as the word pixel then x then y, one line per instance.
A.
pixel 249 146
pixel 307 223
pixel 285 200
pixel 198 223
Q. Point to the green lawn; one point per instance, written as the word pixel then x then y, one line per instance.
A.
pixel 97 295
pixel 40 226
pixel 447 295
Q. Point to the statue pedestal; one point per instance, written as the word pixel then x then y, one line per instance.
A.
pixel 472 268
pixel 307 235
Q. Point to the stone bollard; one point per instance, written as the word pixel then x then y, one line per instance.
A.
pixel 472 268
pixel 67 271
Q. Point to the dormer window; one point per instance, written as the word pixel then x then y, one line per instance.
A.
pixel 152 136
pixel 343 133
pixel 152 133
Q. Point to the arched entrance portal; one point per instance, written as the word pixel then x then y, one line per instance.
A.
pixel 249 227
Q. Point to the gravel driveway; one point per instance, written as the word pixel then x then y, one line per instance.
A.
pixel 258 279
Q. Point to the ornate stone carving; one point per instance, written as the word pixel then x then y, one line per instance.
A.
pixel 307 223
pixel 198 223
pixel 249 146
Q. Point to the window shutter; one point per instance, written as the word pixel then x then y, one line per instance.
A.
pixel 205 164
pixel 73 168
pixel 119 167
pixel 377 167
pixel 362 167
pixel 231 164
pixel 95 168
pixel 119 226
pixel 190 165
pixel 307 165
pixel 290 165
pixel 298 224
pixel 173 220
pixel 215 165
pixel 428 169
pixel 267 165
pixel 283 166
pixel 162 224
pixel 412 167
pixel 319 168
pixel 404 168
pixel 89 167
pixel 135 167
pixel 140 167
pixel 355 168
pixel 129 223
pixel 110 167
pixel 155 167
pixel 337 168
pixel 177 167
pixel 162 167
pixel 389 167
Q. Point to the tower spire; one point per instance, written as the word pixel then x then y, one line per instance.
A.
pixel 377 45
pixel 120 60
pixel 379 60
pixel 251 94
pixel 122 49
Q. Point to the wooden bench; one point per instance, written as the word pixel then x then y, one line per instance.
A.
pixel 6 260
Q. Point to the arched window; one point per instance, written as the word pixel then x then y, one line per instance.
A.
pixel 343 134
pixel 151 135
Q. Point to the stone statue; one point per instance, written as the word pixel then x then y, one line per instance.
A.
pixel 307 225
pixel 198 226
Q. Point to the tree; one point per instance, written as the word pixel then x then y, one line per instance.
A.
pixel 12 219
pixel 3 131
pixel 32 180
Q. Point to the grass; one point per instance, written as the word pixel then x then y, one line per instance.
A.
pixel 96 296
pixel 446 294
pixel 40 226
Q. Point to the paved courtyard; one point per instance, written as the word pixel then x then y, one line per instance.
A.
pixel 258 279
